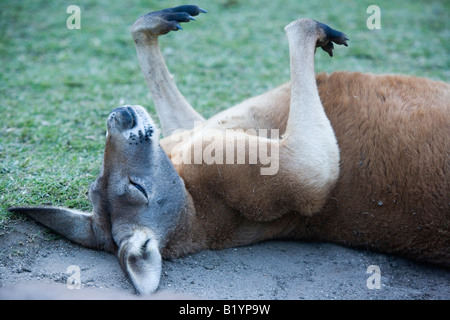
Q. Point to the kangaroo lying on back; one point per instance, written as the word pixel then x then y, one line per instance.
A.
pixel 357 159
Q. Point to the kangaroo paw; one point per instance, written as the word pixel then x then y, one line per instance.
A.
pixel 161 22
pixel 328 37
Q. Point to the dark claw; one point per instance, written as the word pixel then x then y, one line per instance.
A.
pixel 328 48
pixel 190 9
pixel 332 35
pixel 180 14
pixel 345 41
pixel 161 22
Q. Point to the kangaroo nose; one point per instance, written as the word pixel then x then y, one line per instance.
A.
pixel 123 118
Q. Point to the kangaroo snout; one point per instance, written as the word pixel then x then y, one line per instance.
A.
pixel 133 122
pixel 124 118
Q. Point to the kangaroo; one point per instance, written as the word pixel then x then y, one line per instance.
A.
pixel 356 159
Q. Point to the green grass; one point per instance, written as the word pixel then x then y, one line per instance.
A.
pixel 57 85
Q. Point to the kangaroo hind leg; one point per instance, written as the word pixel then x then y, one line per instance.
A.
pixel 173 110
pixel 310 153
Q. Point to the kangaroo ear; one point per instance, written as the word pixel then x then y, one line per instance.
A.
pixel 74 225
pixel 140 258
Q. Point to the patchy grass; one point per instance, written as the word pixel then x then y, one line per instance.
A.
pixel 57 86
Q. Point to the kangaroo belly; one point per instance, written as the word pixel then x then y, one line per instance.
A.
pixel 393 193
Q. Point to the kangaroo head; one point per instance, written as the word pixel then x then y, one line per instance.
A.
pixel 138 199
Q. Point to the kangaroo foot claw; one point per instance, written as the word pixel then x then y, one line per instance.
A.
pixel 330 36
pixel 161 22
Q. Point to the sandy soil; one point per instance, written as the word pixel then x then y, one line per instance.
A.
pixel 272 270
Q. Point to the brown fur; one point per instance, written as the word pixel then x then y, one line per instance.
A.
pixel 393 194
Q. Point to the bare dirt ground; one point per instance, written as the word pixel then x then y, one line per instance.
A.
pixel 30 255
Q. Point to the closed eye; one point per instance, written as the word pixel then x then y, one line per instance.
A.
pixel 139 187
